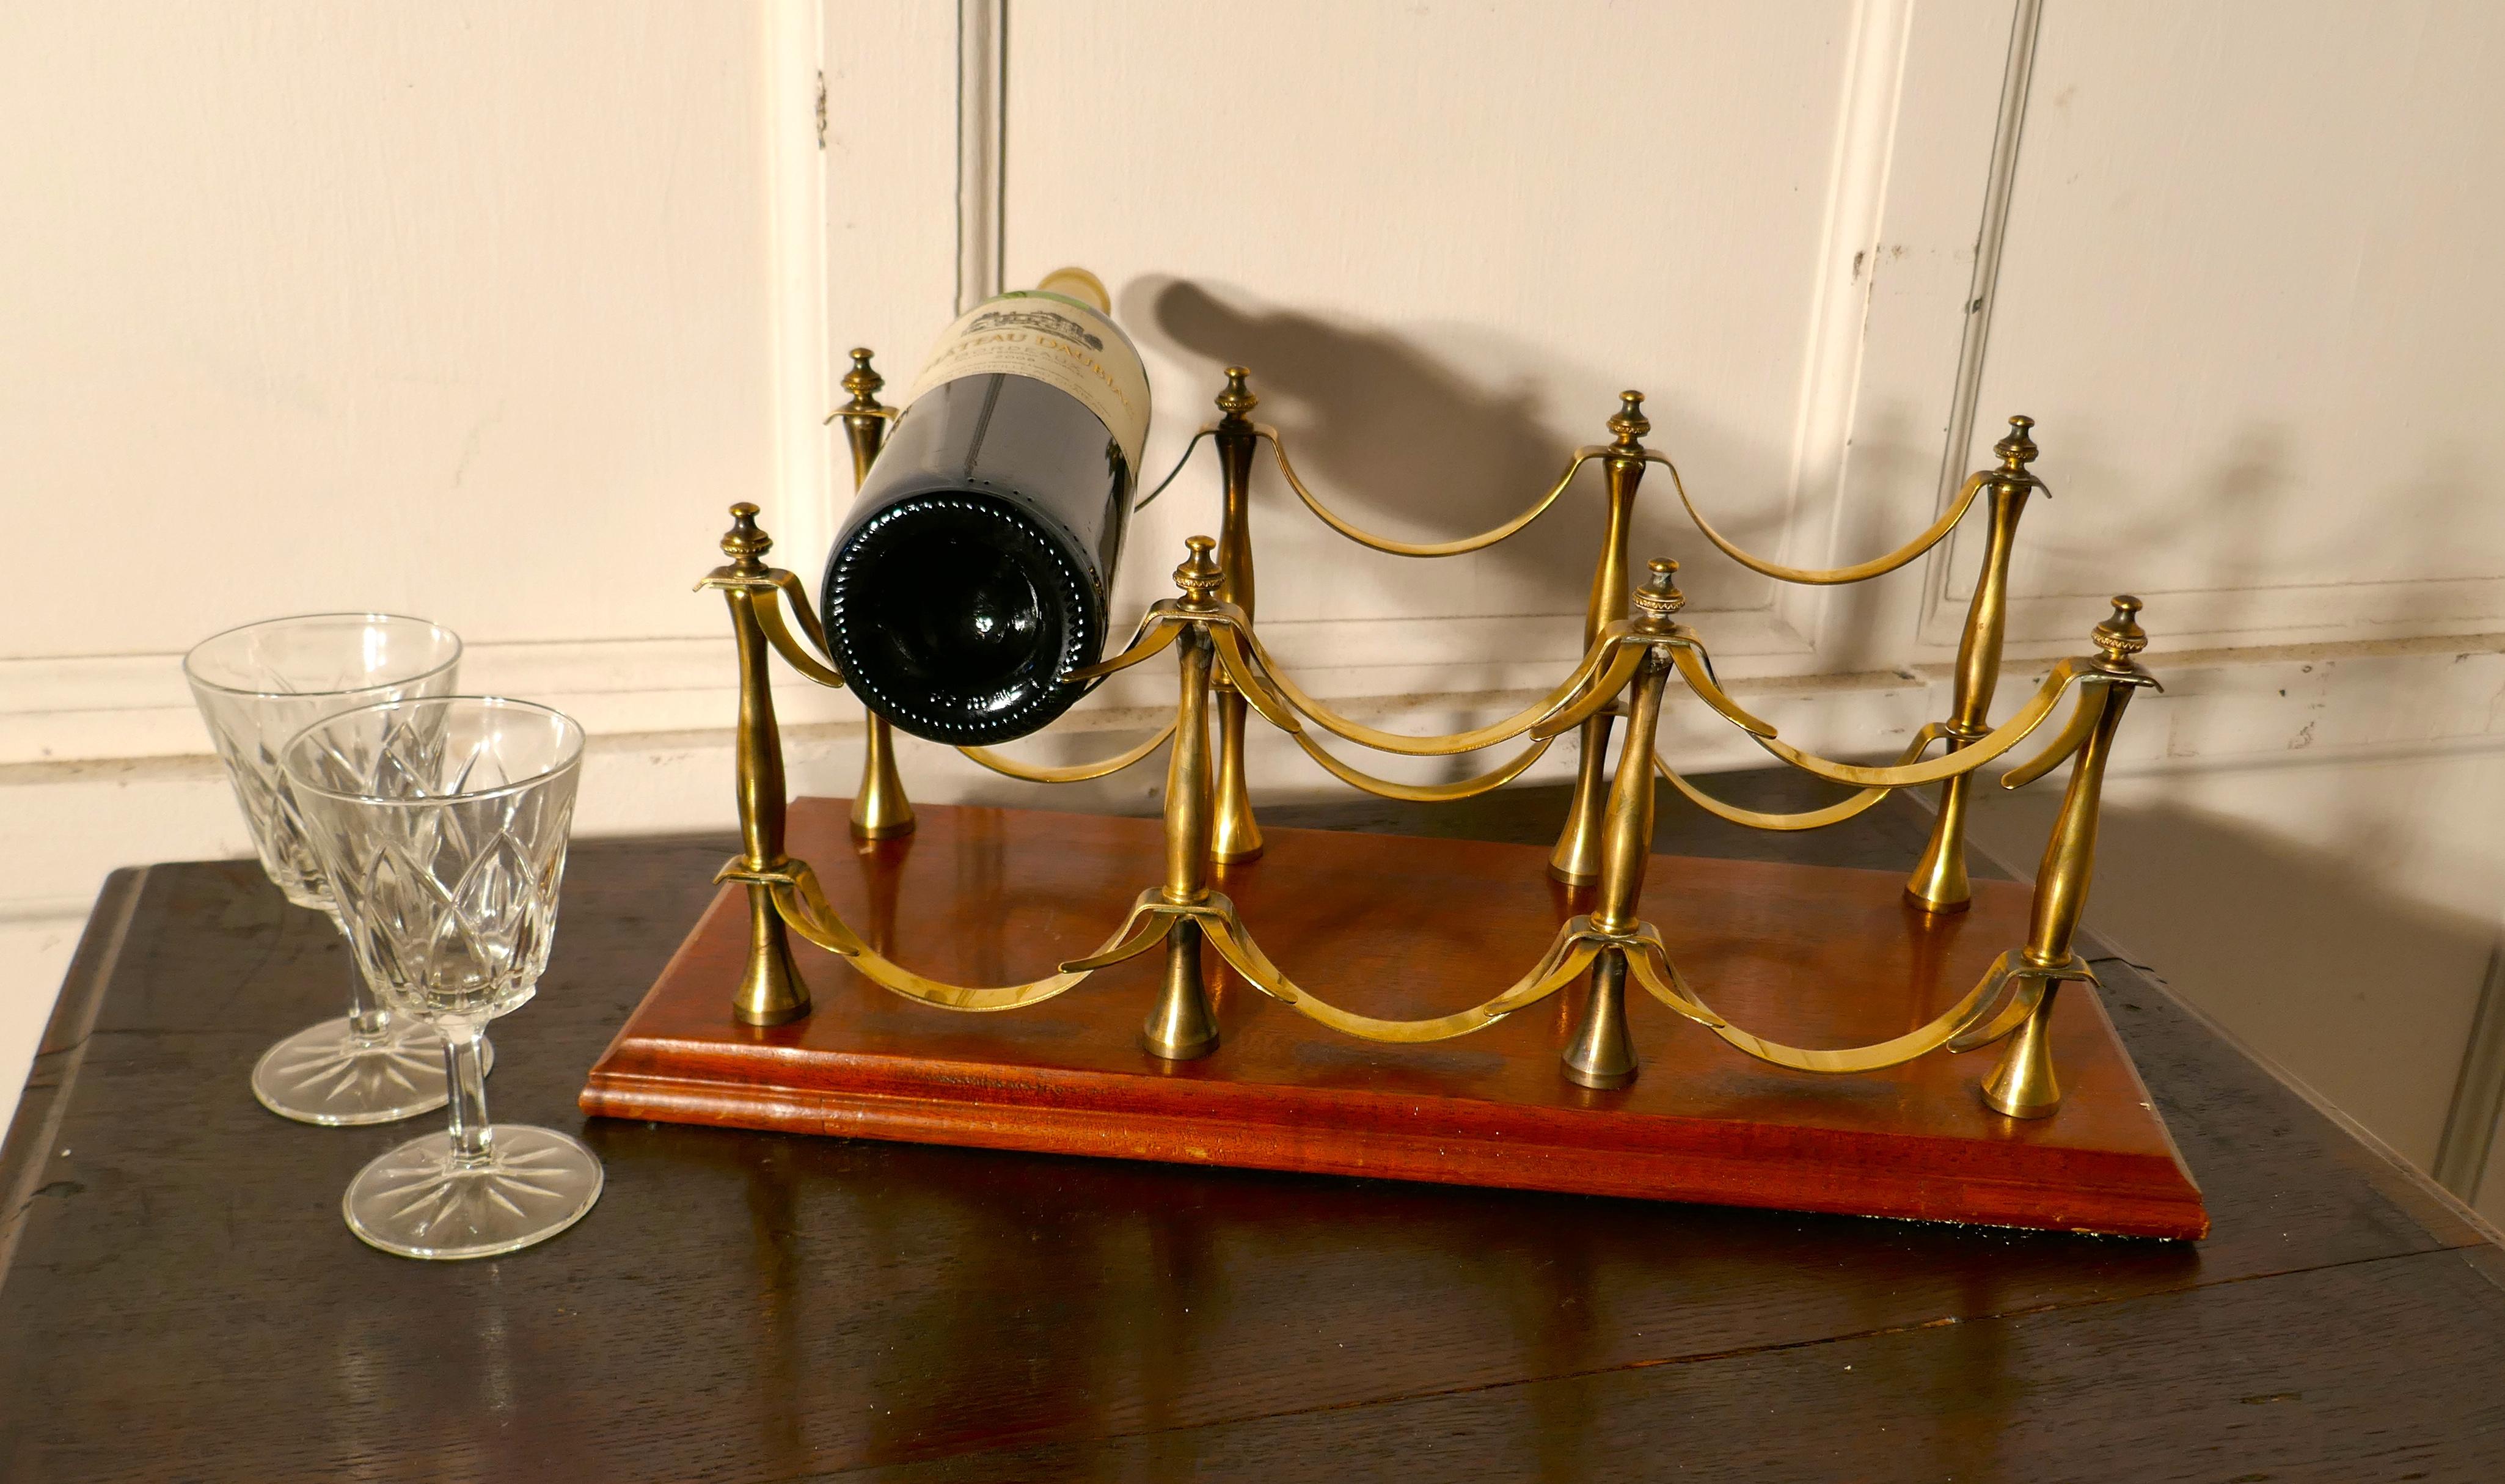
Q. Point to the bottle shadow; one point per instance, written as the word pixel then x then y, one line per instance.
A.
pixel 1395 437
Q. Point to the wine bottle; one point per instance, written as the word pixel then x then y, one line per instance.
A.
pixel 977 566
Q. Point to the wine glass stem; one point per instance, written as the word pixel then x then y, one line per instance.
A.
pixel 368 1021
pixel 465 1079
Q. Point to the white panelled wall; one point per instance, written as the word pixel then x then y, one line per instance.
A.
pixel 485 311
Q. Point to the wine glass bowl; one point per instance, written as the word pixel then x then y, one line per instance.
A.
pixel 441 826
pixel 257 686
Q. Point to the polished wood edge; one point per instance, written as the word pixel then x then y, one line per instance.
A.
pixel 1668 1166
pixel 46 1098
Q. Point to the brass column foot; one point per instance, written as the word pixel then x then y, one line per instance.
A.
pixel 771 992
pixel 1914 899
pixel 2023 1085
pixel 880 810
pixel 1577 859
pixel 1233 836
pixel 1600 1053
pixel 1939 884
pixel 1182 1027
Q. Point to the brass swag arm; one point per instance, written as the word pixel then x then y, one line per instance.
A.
pixel 778 632
pixel 802 903
pixel 1966 760
pixel 1238 642
pixel 1159 627
pixel 1688 653
pixel 1957 1027
pixel 1561 712
pixel 1567 955
pixel 1829 576
pixel 2082 726
pixel 1365 538
pixel 2014 1013
pixel 1810 819
pixel 1076 772
pixel 1423 792
pixel 768 590
pixel 1149 499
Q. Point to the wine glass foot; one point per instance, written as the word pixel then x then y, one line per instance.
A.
pixel 320 1076
pixel 416 1202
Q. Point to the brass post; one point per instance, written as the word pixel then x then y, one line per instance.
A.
pixel 880 810
pixel 1577 859
pixel 770 990
pixel 865 420
pixel 1601 1052
pixel 2023 1085
pixel 1939 882
pixel 1234 836
pixel 1183 1025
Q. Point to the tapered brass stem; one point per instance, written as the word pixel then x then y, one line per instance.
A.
pixel 1235 835
pixel 1181 1025
pixel 1577 859
pixel 1189 779
pixel 2023 1085
pixel 880 810
pixel 770 990
pixel 1602 1053
pixel 1939 882
pixel 1626 840
pixel 2069 857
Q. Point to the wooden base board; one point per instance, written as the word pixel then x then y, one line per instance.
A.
pixel 1391 926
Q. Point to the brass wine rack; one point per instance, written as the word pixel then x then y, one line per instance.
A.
pixel 1633 644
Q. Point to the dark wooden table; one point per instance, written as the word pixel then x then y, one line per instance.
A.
pixel 185 1303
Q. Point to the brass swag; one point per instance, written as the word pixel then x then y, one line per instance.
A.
pixel 1633 644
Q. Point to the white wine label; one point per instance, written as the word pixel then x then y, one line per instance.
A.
pixel 1059 343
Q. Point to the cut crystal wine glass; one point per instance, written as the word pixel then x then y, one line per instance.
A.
pixel 257 686
pixel 441 826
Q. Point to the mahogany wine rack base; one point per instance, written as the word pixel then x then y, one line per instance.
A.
pixel 1391 926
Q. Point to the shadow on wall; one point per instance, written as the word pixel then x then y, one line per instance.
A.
pixel 1395 437
pixel 2363 993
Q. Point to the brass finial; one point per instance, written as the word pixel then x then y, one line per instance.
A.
pixel 1630 424
pixel 2017 450
pixel 2121 637
pixel 1659 597
pixel 1199 576
pixel 1238 399
pixel 744 543
pixel 863 383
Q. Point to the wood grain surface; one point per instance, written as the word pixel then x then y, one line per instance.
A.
pixel 1403 928
pixel 185 1303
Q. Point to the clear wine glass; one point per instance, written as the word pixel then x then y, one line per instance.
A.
pixel 442 825
pixel 257 686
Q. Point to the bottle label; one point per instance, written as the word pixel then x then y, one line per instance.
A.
pixel 1058 341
